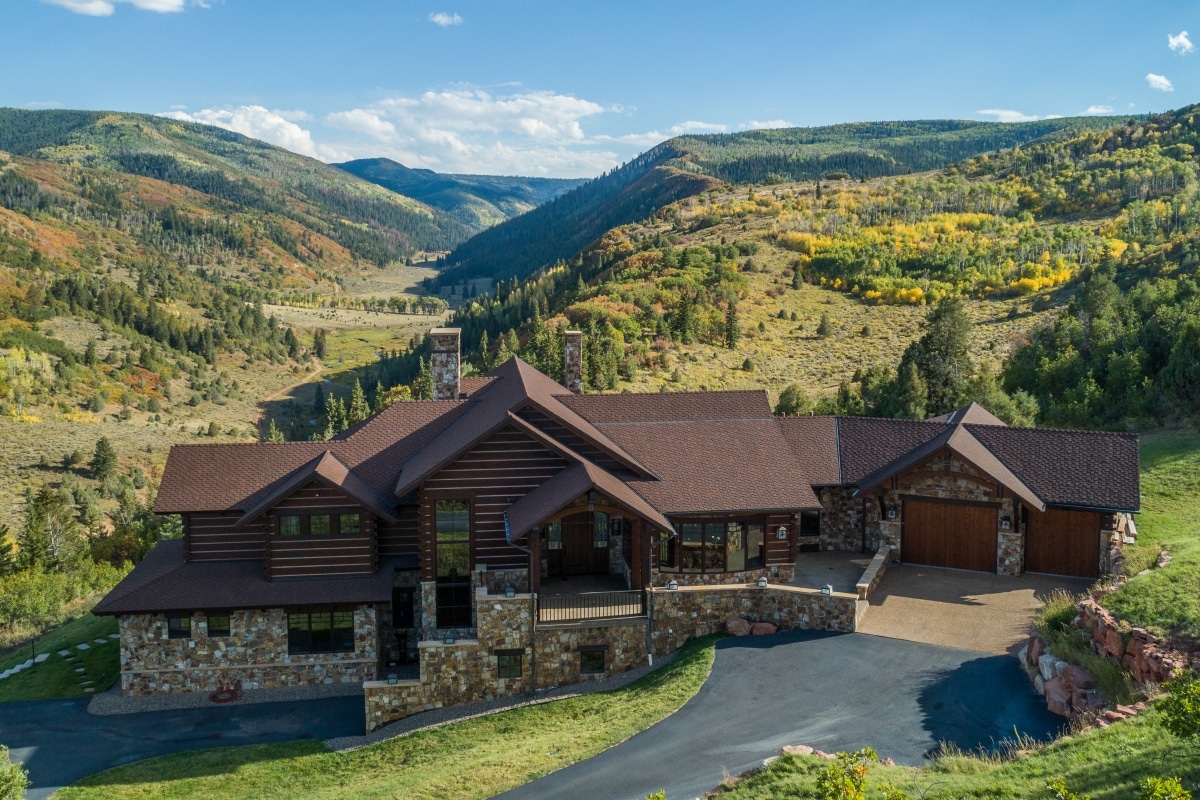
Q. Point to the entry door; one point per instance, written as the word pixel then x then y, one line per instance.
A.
pixel 578 558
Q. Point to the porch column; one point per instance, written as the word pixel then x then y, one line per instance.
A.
pixel 535 559
pixel 638 569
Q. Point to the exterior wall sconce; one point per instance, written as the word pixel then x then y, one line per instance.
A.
pixel 1006 523
pixel 672 585
pixel 827 589
pixel 891 512
pixel 762 581
pixel 510 591
pixel 448 640
pixel 781 534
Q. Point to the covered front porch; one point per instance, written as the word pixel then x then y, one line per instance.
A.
pixel 588 597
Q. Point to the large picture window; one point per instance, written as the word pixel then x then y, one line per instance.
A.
pixel 452 559
pixel 713 546
pixel 320 632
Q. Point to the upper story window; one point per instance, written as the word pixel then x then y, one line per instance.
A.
pixel 712 546
pixel 347 523
pixel 453 538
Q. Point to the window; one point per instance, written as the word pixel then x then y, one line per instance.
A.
pixel 713 546
pixel 554 535
pixel 289 526
pixel 179 627
pixel 509 663
pixel 318 525
pixel 591 660
pixel 349 524
pixel 344 524
pixel 452 558
pixel 320 632
pixel 218 625
pixel 600 529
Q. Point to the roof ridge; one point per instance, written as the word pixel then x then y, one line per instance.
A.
pixel 685 421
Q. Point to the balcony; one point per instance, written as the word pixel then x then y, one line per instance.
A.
pixel 589 598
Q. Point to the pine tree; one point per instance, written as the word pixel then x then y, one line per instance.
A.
pixel 825 328
pixel 733 330
pixel 104 460
pixel 913 393
pixel 89 355
pixel 359 410
pixel 422 387
pixel 320 345
pixel 273 433
pixel 380 402
pixel 8 553
pixel 485 356
pixel 797 278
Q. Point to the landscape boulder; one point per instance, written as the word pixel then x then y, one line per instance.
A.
pixel 798 749
pixel 1058 699
pixel 1036 648
pixel 1078 678
pixel 763 629
pixel 737 626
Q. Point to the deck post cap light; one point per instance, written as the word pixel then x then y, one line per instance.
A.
pixel 827 589
pixel 510 591
pixel 762 582
pixel 1006 523
pixel 672 585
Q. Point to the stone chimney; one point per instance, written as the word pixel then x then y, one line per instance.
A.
pixel 573 362
pixel 445 362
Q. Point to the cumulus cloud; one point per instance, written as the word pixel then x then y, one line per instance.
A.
pixel 1180 43
pixel 695 126
pixel 256 122
pixel 444 20
pixel 541 115
pixel 1159 82
pixel 105 8
pixel 758 124
pixel 1096 110
pixel 362 121
pixel 1008 115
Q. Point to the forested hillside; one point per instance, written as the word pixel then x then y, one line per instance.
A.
pixel 478 201
pixel 688 165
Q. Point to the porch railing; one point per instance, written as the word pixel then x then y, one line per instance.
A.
pixel 591 605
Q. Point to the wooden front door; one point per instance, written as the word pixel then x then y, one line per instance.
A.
pixel 957 535
pixel 577 545
pixel 1063 541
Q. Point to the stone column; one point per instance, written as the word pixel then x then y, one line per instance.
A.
pixel 445 362
pixel 573 362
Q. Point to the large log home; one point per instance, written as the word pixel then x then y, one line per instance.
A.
pixel 514 533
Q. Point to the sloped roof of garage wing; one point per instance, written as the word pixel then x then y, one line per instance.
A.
pixel 328 469
pixel 516 386
pixel 961 441
pixel 553 495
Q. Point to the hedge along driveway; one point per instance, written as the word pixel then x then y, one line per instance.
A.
pixel 475 758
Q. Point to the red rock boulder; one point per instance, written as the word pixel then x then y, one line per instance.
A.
pixel 737 626
pixel 763 629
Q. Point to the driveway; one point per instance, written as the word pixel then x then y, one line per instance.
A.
pixel 958 608
pixel 831 691
pixel 59 742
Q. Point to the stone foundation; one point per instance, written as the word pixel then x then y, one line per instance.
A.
pixel 558 649
pixel 253 656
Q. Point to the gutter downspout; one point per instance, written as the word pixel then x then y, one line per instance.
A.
pixel 533 605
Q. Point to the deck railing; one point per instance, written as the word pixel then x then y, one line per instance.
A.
pixel 591 605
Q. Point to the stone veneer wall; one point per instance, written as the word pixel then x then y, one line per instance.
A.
pixel 777 573
pixel 558 647
pixel 692 611
pixel 841 522
pixel 253 656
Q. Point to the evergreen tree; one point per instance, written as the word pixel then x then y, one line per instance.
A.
pixel 104 460
pixel 273 433
pixel 320 344
pixel 89 355
pixel 292 343
pixel 797 278
pixel 51 537
pixel 359 410
pixel 485 356
pixel 942 356
pixel 8 554
pixel 793 401
pixel 422 387
pixel 825 327
pixel 379 397
pixel 733 330
pixel 912 393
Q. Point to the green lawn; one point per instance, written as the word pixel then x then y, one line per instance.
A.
pixel 56 677
pixel 475 758
pixel 1106 764
pixel 1168 599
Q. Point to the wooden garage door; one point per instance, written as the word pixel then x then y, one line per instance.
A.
pixel 941 534
pixel 1063 541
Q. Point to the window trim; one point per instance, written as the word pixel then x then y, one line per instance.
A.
pixel 178 632
pixel 591 652
pixel 335 514
pixel 674 545
pixel 208 618
pixel 518 654
pixel 317 612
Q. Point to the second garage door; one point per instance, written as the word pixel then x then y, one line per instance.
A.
pixel 941 534
pixel 1063 541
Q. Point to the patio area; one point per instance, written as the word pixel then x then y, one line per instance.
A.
pixel 840 570
pixel 587 597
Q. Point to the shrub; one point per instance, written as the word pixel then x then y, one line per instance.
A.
pixel 1164 789
pixel 95 403
pixel 14 780
pixel 1061 792
pixel 793 400
pixel 825 327
pixel 846 777
pixel 1181 707
pixel 748 365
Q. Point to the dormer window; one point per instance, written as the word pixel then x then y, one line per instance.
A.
pixel 347 523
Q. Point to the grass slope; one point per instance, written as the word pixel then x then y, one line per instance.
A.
pixel 56 676
pixel 1168 599
pixel 476 758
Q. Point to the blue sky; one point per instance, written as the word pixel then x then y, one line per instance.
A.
pixel 572 88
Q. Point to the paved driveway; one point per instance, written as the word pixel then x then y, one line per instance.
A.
pixel 831 691
pixel 958 608
pixel 59 742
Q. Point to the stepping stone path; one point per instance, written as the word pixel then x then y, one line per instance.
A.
pixel 82 646
pixel 68 655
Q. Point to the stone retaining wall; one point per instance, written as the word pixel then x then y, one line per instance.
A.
pixel 1148 658
pixel 874 572
pixel 253 656
pixel 777 573
pixel 623 642
pixel 692 611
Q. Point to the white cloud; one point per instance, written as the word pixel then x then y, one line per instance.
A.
pixel 444 20
pixel 43 104
pixel 363 121
pixel 694 126
pixel 1007 115
pixel 540 115
pixel 1180 43
pixel 256 122
pixel 1096 110
pixel 758 124
pixel 105 8
pixel 1159 82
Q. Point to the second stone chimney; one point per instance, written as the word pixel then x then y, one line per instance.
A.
pixel 445 362
pixel 573 362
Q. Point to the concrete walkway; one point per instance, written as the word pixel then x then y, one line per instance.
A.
pixel 958 608
pixel 837 569
pixel 831 691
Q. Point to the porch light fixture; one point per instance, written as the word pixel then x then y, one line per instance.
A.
pixel 781 534
pixel 672 585
pixel 891 512
pixel 510 591
pixel 827 589
pixel 762 581
pixel 1006 523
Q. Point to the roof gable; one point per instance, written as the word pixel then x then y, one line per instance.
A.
pixel 329 470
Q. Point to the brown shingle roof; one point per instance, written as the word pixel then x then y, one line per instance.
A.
pixel 869 443
pixel 670 406
pixel 550 498
pixel 972 413
pixel 331 471
pixel 814 440
pixel 164 582
pixel 726 465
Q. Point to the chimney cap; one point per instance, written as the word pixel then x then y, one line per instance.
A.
pixel 445 331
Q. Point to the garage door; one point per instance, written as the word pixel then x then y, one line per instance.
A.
pixel 1063 542
pixel 941 534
